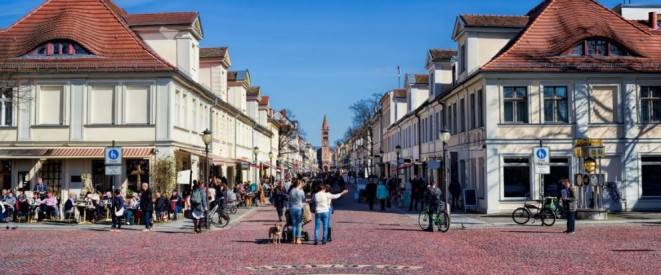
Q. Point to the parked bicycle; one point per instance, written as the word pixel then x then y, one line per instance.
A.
pixel 218 217
pixel 396 198
pixel 440 218
pixel 523 214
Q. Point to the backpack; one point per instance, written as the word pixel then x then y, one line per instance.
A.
pixel 313 204
pixel 196 198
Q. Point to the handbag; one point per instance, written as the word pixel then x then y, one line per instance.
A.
pixel 188 214
pixel 120 212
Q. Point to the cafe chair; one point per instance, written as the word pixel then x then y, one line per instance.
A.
pixel 70 215
pixel 23 212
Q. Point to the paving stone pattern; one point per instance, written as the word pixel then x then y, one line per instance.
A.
pixel 364 242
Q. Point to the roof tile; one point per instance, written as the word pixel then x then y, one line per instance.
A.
pixel 439 54
pixel 218 52
pixel 115 47
pixel 165 18
pixel 472 20
pixel 558 25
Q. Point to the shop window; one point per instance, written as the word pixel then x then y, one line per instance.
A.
pixel 137 172
pixel 559 169
pixel 51 174
pixel 651 178
pixel 99 179
pixel 516 177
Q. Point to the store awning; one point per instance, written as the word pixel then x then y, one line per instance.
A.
pixel 71 152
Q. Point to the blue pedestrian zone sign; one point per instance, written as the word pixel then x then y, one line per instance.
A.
pixel 113 156
pixel 541 155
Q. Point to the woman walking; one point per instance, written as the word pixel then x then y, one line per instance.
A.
pixel 322 201
pixel 382 194
pixel 296 197
pixel 198 201
pixel 117 205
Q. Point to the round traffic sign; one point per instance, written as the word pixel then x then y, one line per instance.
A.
pixel 113 154
pixel 541 153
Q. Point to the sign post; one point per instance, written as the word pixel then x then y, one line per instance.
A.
pixel 113 159
pixel 542 162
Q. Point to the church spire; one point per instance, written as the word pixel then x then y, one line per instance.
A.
pixel 324 126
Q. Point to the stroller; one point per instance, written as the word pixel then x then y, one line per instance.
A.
pixel 286 230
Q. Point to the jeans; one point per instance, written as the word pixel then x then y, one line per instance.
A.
pixel 176 211
pixel 321 218
pixel 571 221
pixel 117 221
pixel 128 215
pixel 146 216
pixel 383 204
pixel 296 221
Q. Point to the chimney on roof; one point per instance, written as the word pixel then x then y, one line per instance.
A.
pixel 654 21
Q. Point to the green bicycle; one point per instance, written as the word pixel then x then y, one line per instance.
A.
pixel 441 218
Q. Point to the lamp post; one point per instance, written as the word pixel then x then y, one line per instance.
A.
pixel 271 166
pixel 255 151
pixel 282 169
pixel 206 138
pixel 381 166
pixel 444 136
pixel 398 150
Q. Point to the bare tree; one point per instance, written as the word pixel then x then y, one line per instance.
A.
pixel 364 110
pixel 290 131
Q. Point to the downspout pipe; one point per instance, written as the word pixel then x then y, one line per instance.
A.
pixel 419 140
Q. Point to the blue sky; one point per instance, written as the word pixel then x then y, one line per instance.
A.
pixel 317 57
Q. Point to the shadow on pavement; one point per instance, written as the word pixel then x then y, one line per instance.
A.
pixel 257 241
pixel 531 232
pixel 397 229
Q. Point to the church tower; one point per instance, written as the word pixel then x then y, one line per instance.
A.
pixel 326 154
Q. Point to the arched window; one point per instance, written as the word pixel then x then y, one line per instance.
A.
pixel 59 48
pixel 597 47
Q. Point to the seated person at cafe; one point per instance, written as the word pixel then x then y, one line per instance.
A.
pixel 21 196
pixel 176 203
pixel 4 194
pixel 40 188
pixel 133 208
pixel 70 205
pixel 10 205
pixel 49 206
pixel 160 206
pixel 92 206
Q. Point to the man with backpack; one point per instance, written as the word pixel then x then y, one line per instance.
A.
pixel 433 199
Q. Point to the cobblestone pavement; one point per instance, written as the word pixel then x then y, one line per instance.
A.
pixel 364 242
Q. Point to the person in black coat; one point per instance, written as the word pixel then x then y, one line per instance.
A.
pixel 117 204
pixel 370 190
pixel 147 206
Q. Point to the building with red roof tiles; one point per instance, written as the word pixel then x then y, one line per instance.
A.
pixel 80 75
pixel 567 71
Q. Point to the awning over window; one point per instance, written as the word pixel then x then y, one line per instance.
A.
pixel 70 152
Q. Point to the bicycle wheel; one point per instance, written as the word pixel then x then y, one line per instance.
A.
pixel 423 219
pixel 232 209
pixel 521 215
pixel 220 220
pixel 443 221
pixel 547 217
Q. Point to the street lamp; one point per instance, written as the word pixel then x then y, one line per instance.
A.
pixel 444 136
pixel 271 166
pixel 282 168
pixel 255 151
pixel 398 150
pixel 206 138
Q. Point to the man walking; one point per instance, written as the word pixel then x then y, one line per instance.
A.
pixel 147 206
pixel 416 193
pixel 569 202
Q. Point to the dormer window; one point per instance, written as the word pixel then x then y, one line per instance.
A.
pixel 598 47
pixel 59 48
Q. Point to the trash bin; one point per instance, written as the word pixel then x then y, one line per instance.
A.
pixel 550 203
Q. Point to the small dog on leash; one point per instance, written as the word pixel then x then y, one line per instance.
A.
pixel 275 233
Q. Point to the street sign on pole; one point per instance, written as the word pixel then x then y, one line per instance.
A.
pixel 541 160
pixel 113 170
pixel 113 156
